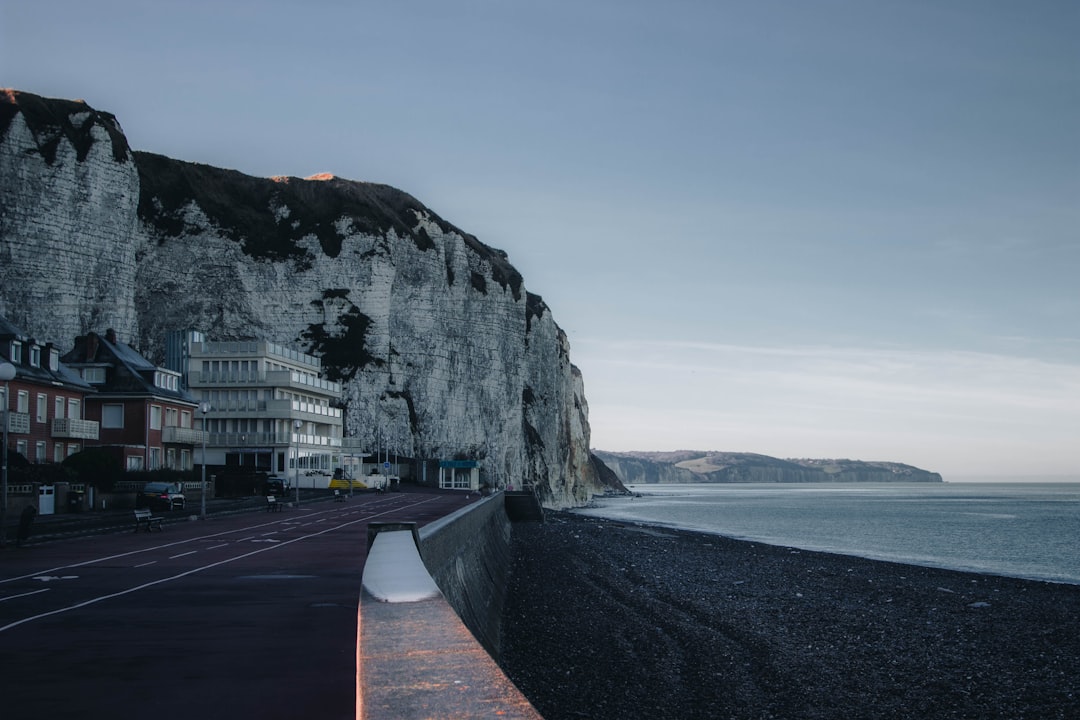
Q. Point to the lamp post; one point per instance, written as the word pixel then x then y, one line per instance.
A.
pixel 296 462
pixel 7 373
pixel 204 407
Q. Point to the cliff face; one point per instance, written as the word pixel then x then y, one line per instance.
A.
pixel 719 467
pixel 440 348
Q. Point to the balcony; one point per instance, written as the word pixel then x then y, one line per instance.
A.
pixel 270 439
pixel 182 436
pixel 278 409
pixel 272 378
pixel 75 429
pixel 18 423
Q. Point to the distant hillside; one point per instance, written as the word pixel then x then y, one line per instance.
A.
pixel 694 466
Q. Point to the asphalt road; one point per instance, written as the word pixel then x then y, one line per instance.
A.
pixel 247 615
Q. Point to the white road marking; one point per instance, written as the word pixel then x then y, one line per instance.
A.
pixel 190 552
pixel 152 583
pixel 32 592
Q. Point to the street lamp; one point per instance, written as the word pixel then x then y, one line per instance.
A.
pixel 7 373
pixel 204 407
pixel 296 462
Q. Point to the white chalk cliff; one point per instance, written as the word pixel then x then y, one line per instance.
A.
pixel 437 342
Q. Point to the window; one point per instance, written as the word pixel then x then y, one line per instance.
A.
pixel 185 418
pixel 185 460
pixel 170 458
pixel 35 356
pixel 15 353
pixel 58 407
pixel 134 462
pixel 42 408
pixel 165 380
pixel 155 418
pixel 20 447
pixel 54 359
pixel 171 415
pixel 112 416
pixel 58 453
pixel 94 375
pixel 39 452
pixel 24 402
pixel 74 408
pixel 155 458
pixel 73 448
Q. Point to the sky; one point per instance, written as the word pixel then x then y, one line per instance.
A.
pixel 840 228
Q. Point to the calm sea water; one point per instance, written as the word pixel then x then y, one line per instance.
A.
pixel 1029 530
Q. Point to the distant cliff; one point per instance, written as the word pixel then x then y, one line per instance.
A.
pixel 441 349
pixel 688 466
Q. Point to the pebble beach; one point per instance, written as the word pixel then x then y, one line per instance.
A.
pixel 607 619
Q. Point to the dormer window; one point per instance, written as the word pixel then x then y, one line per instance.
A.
pixel 35 356
pixel 15 353
pixel 94 375
pixel 166 381
pixel 54 360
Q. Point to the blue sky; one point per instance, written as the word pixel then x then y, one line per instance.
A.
pixel 841 228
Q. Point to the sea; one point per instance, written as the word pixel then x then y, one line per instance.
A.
pixel 1020 529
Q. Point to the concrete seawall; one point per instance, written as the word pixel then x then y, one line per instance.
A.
pixel 468 555
pixel 428 634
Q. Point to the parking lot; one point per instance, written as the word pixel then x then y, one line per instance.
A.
pixel 246 614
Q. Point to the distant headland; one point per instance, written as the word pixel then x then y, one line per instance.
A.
pixel 696 466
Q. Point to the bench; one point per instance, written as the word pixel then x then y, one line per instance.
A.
pixel 144 516
pixel 272 504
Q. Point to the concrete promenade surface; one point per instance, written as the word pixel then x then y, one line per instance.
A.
pixel 245 615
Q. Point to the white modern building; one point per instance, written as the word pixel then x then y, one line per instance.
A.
pixel 266 407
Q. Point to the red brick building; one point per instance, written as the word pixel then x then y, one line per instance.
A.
pixel 143 412
pixel 47 401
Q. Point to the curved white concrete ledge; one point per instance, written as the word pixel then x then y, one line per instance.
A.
pixel 394 572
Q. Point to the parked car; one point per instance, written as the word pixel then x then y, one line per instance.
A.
pixel 160 495
pixel 276 486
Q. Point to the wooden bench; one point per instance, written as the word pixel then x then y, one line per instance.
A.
pixel 145 517
pixel 273 504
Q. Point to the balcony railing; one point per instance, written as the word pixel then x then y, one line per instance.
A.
pixel 271 378
pixel 75 428
pixel 249 348
pixel 275 408
pixel 268 439
pixel 183 436
pixel 18 422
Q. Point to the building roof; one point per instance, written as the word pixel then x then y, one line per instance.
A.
pixel 42 373
pixel 126 371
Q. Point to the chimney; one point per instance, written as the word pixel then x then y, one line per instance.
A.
pixel 110 335
pixel 91 346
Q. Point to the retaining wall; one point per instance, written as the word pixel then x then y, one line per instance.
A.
pixel 468 554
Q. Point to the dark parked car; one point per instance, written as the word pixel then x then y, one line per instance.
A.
pixel 167 496
pixel 276 486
